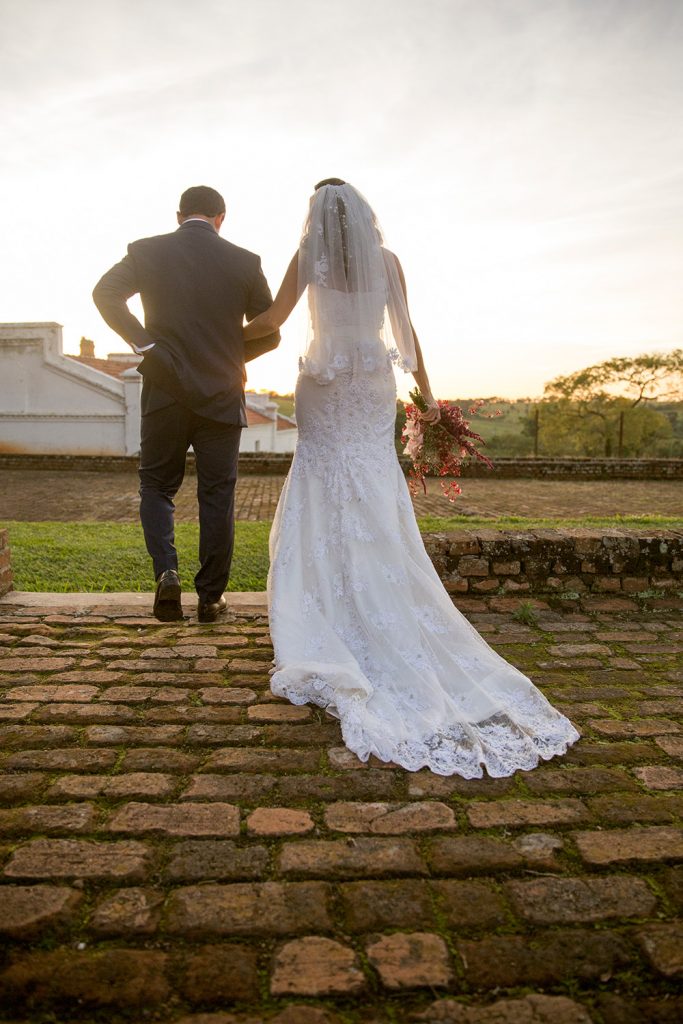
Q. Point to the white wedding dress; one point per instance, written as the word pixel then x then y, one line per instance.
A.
pixel 361 623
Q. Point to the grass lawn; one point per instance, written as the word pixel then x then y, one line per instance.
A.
pixel 112 556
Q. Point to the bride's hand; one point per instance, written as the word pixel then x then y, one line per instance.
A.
pixel 432 413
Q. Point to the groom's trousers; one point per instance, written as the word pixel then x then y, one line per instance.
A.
pixel 166 435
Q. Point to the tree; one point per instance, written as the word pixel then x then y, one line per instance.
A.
pixel 602 397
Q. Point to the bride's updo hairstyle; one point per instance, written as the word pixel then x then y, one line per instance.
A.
pixel 329 181
pixel 342 215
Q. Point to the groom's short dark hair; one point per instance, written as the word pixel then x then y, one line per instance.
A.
pixel 201 199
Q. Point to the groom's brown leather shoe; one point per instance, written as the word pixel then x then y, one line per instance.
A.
pixel 208 611
pixel 167 606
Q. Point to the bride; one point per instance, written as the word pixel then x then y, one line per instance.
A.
pixel 361 623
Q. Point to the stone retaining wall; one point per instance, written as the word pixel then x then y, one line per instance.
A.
pixel 5 566
pixel 578 469
pixel 265 464
pixel 612 570
pixel 588 568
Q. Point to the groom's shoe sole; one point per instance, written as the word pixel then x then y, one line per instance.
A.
pixel 210 610
pixel 167 605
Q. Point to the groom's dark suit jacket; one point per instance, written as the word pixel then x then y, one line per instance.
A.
pixel 196 288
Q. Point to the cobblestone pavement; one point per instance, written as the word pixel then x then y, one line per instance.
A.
pixel 176 845
pixel 33 495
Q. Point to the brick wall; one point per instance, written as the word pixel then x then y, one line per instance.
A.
pixel 587 568
pixel 5 567
pixel 264 463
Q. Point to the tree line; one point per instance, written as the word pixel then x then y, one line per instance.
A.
pixel 626 407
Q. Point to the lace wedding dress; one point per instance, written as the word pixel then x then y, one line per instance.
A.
pixel 361 623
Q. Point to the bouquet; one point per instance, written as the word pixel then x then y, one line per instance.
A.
pixel 439 448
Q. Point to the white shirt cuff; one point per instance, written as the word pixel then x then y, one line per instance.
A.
pixel 145 349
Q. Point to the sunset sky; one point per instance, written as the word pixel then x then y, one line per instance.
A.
pixel 525 158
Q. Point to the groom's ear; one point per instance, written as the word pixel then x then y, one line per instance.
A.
pixel 218 220
pixel 179 217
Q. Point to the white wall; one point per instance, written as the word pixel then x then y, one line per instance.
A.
pixel 50 404
pixel 53 405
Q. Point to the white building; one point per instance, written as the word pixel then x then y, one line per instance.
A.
pixel 269 430
pixel 53 404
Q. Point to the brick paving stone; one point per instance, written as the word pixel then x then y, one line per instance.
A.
pixel 49 693
pixel 343 759
pixel 263 760
pixel 255 909
pixel 79 858
pixel 279 821
pixel 425 784
pixel 627 807
pixel 227 695
pixel 30 911
pixel 216 974
pixel 75 759
pixel 97 677
pixel 375 906
pixel 663 946
pixel 218 860
pixel 672 745
pixel 467 906
pixel 414 960
pixel 616 1009
pixel 92 979
pixel 565 650
pixel 351 858
pixel 248 665
pixel 118 735
pixel 133 911
pixel 304 1014
pixel 48 819
pixel 532 1009
pixel 569 900
pixel 612 752
pixel 545 958
pixel 312 734
pixel 578 780
pixel 673 884
pixel 16 712
pixel 186 819
pixel 87 787
pixel 642 727
pixel 17 737
pixel 278 713
pixel 17 788
pixel 33 664
pixel 190 715
pixel 618 846
pixel 161 759
pixel 660 776
pixel 518 813
pixel 539 850
pixel 470 855
pixel 247 788
pixel 316 966
pixel 212 735
pixel 389 819
pixel 373 784
pixel 83 713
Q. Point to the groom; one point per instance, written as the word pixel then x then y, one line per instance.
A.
pixel 196 289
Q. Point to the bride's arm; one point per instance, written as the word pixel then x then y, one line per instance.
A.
pixel 433 413
pixel 284 302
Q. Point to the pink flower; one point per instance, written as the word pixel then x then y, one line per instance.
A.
pixel 439 448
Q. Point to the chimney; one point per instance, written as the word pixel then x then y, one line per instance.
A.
pixel 87 348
